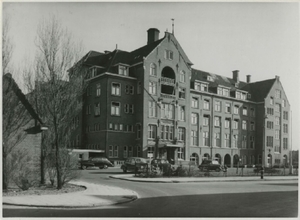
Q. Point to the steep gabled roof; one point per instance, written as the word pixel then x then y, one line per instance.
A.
pixel 260 90
pixel 14 86
pixel 218 80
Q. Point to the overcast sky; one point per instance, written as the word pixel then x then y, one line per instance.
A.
pixel 259 39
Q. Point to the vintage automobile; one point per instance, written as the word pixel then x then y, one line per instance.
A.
pixel 101 162
pixel 134 164
pixel 209 165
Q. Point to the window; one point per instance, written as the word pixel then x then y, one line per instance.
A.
pixel 244 141
pixel 283 103
pixel 110 151
pixel 285 128
pixel 139 87
pixel 209 78
pixel 138 131
pixel 138 151
pixel 130 151
pixel 129 128
pixel 181 134
pixel 225 92
pixel 121 127
pixel 116 89
pixel 115 108
pixel 195 102
pixel 220 91
pixel 194 138
pixel 277 149
pixel 181 93
pixel 235 141
pixel 116 149
pixel 123 70
pixel 218 106
pixel 182 76
pixel 152 88
pixel 97 109
pixel 227 108
pixel 152 131
pixel 277 134
pixel 244 125
pixel 285 143
pixel 277 121
pixel 227 123
pixel 98 89
pixel 235 124
pixel 169 54
pixel 116 127
pixel 88 109
pixel 167 132
pixel 205 120
pixel 252 112
pixel 203 87
pixel 277 107
pixel 129 108
pixel 243 96
pixel 271 101
pixel 245 111
pixel 152 109
pixel 269 141
pixel 152 69
pixel 129 89
pixel 167 111
pixel 206 138
pixel 270 111
pixel 237 95
pixel 217 140
pixel 206 104
pixel 194 118
pixel 181 113
pixel 270 125
pixel 125 152
pixel 236 109
pixel 227 140
pixel 277 94
pixel 285 115
pixel 252 126
pixel 217 121
pixel 110 127
pixel 180 153
pixel 150 152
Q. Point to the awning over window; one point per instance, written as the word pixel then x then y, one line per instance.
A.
pixel 169 146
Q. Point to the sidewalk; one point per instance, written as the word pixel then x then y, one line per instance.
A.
pixel 131 177
pixel 95 195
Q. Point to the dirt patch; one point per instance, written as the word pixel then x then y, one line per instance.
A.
pixel 43 190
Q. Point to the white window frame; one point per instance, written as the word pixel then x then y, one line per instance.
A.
pixel 115 108
pixel 116 89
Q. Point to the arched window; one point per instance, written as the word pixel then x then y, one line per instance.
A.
pixel 182 76
pixel 152 69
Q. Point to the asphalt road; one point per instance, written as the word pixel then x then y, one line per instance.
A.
pixel 207 199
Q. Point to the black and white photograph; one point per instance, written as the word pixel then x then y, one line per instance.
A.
pixel 161 109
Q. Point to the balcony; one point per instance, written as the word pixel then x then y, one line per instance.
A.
pixel 167 96
pixel 167 81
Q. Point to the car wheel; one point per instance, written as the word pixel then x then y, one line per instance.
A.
pixel 101 167
pixel 105 167
pixel 124 170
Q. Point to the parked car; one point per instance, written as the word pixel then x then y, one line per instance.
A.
pixel 209 165
pixel 101 162
pixel 134 164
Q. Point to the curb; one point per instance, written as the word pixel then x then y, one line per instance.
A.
pixel 129 199
pixel 207 180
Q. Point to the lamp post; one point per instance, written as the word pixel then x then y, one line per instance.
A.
pixel 43 128
pixel 264 144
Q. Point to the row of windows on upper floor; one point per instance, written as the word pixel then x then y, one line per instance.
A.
pixel 270 125
pixel 270 111
pixel 270 142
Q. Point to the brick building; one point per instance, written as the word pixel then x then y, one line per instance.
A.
pixel 151 102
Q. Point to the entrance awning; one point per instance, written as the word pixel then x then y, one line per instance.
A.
pixel 169 146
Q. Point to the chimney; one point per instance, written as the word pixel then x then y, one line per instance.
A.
pixel 153 35
pixel 248 78
pixel 235 76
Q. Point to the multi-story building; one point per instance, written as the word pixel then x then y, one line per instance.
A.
pixel 151 102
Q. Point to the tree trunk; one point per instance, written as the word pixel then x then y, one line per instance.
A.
pixel 4 173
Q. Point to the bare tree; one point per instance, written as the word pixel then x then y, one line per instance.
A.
pixel 56 95
pixel 15 120
pixel 7 46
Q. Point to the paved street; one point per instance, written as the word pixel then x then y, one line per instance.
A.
pixel 207 199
